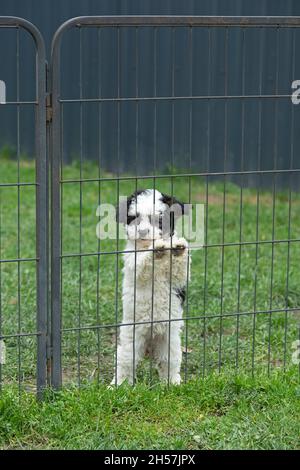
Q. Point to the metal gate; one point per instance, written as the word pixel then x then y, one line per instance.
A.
pixel 242 302
pixel 23 242
pixel 235 332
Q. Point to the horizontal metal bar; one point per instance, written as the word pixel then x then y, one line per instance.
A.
pixel 18 103
pixel 18 335
pixel 181 175
pixel 18 260
pixel 171 98
pixel 213 245
pixel 182 21
pixel 169 320
pixel 9 185
pixel 256 242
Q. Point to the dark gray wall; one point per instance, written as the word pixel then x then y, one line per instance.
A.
pixel 203 135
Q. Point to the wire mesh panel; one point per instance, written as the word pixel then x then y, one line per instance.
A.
pixel 237 297
pixel 23 209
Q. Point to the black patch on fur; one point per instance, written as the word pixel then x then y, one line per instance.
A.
pixel 171 200
pixel 181 294
pixel 124 206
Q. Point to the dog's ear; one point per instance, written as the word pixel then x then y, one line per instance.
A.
pixel 179 208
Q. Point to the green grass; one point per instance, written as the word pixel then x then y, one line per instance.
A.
pixel 218 412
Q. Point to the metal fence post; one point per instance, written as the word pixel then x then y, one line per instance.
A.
pixel 42 217
pixel 56 370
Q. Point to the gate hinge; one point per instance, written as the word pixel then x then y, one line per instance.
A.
pixel 49 109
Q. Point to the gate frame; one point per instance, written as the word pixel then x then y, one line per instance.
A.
pixel 55 77
pixel 41 183
pixel 48 138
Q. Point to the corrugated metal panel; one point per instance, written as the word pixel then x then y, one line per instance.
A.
pixel 232 144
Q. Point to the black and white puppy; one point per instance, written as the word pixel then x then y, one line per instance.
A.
pixel 155 274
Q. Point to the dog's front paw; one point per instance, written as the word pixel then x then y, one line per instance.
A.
pixel 160 249
pixel 179 247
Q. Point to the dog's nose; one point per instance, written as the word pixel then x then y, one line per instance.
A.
pixel 143 232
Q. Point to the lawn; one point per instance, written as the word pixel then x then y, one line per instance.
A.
pixel 221 411
pixel 235 352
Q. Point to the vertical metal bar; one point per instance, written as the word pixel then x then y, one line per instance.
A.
pixel 99 192
pixel 190 187
pixel 290 209
pixel 154 185
pixel 170 293
pixel 206 199
pixel 241 203
pixel 259 153
pixel 61 163
pixel 42 221
pixel 118 193
pixel 273 199
pixel 62 207
pixel 56 372
pixel 80 212
pixel 172 194
pixel 173 98
pixel 18 203
pixel 48 153
pixel 117 290
pixel 224 199
pixel 222 276
pixel 136 165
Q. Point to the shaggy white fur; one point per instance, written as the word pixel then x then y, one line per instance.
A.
pixel 153 288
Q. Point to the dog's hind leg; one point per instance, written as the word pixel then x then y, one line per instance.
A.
pixel 168 355
pixel 129 353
